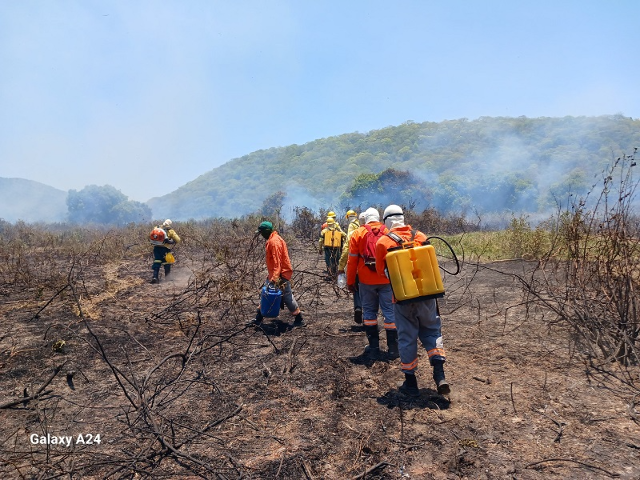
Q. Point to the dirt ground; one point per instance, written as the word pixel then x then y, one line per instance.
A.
pixel 176 385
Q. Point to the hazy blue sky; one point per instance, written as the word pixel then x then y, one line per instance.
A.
pixel 147 95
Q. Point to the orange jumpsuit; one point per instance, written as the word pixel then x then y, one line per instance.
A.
pixel 279 267
pixel 414 320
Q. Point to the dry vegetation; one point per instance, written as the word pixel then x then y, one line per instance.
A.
pixel 177 386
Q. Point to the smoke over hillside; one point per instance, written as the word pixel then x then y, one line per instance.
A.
pixel 491 165
pixel 31 201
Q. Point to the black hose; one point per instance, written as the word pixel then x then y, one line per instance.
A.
pixel 452 253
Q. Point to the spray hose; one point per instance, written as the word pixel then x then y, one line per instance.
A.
pixel 452 253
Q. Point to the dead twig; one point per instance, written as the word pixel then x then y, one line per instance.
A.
pixel 560 427
pixel 289 364
pixel 534 464
pixel 25 400
pixel 37 315
pixel 39 392
pixel 371 470
pixel 482 380
pixel 307 470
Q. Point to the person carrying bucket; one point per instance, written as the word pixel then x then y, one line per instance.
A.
pixel 279 272
pixel 163 238
pixel 416 313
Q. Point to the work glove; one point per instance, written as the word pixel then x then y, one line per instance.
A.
pixel 272 285
pixel 169 241
pixel 280 282
pixel 352 288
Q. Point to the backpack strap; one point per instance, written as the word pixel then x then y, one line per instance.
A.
pixel 395 237
pixel 398 239
pixel 369 229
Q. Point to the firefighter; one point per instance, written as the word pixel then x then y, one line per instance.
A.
pixel 416 320
pixel 331 215
pixel 279 272
pixel 330 241
pixel 374 288
pixel 352 218
pixel 160 251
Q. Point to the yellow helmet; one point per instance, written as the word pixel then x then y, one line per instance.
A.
pixel 350 213
pixel 331 214
pixel 330 221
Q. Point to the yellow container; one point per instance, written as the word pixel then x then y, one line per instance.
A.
pixel 414 273
pixel 332 238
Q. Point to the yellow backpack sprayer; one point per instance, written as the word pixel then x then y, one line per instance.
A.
pixel 413 269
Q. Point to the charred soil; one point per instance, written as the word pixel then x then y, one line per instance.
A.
pixel 177 386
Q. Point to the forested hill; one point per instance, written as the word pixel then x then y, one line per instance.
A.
pixel 31 201
pixel 492 164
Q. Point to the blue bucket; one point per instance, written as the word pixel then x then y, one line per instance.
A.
pixel 270 301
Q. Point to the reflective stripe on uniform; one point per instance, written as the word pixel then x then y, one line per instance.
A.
pixel 436 351
pixel 370 322
pixel 390 326
pixel 409 366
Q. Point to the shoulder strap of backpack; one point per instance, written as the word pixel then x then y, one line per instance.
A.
pixel 395 237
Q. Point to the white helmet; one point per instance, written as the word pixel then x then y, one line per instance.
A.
pixel 167 223
pixel 391 211
pixel 371 215
pixel 393 217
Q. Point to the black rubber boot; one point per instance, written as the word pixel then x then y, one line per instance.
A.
pixel 410 386
pixel 256 321
pixel 167 271
pixel 374 342
pixel 438 377
pixel 156 272
pixel 357 315
pixel 392 344
pixel 299 321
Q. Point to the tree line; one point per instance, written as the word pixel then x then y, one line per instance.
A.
pixel 490 164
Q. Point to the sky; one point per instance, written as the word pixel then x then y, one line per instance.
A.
pixel 148 95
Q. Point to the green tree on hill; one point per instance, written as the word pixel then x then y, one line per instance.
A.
pixel 105 205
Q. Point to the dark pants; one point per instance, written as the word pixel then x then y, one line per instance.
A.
pixel 159 254
pixel 332 258
pixel 357 303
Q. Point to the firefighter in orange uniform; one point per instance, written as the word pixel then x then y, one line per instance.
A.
pixel 279 272
pixel 374 289
pixel 415 319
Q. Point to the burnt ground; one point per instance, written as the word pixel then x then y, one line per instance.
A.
pixel 236 403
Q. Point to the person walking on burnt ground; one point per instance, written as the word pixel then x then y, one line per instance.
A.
pixel 326 222
pixel 374 288
pixel 330 241
pixel 352 218
pixel 280 272
pixel 163 238
pixel 416 319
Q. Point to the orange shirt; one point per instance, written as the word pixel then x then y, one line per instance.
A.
pixel 355 263
pixel 278 263
pixel 385 243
